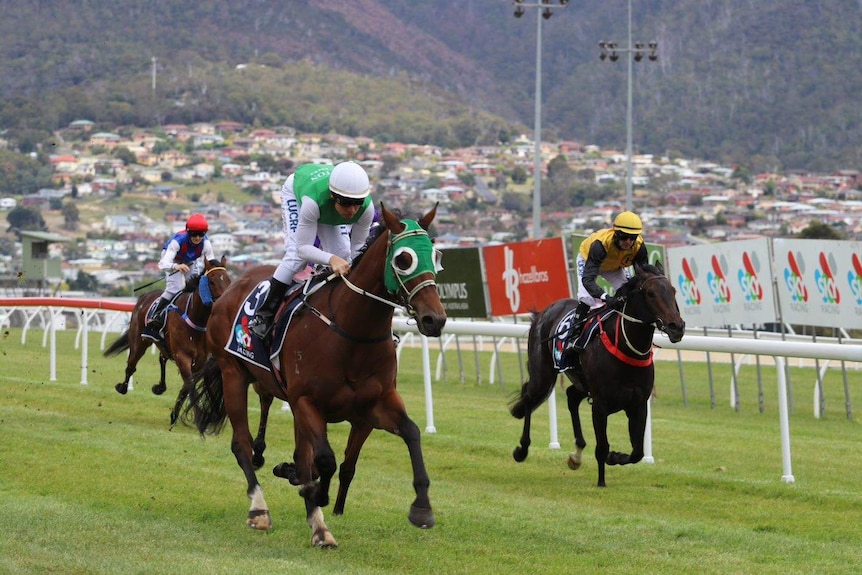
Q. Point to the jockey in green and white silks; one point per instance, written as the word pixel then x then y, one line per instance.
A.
pixel 308 212
pixel 331 204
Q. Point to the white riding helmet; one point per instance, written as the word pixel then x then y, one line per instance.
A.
pixel 348 179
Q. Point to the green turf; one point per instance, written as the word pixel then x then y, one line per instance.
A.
pixel 93 482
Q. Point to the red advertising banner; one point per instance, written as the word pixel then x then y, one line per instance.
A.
pixel 526 276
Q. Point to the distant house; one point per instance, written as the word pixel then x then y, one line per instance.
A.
pixel 231 169
pixel 82 125
pixel 229 127
pixel 257 208
pixel 121 224
pixel 207 140
pixel 165 192
pixel 106 139
pixel 103 185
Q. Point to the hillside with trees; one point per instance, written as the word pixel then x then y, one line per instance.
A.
pixel 771 85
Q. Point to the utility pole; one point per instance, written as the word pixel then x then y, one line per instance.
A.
pixel 154 59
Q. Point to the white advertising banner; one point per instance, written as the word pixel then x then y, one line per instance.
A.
pixel 819 282
pixel 723 284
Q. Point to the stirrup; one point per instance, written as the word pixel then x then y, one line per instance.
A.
pixel 261 327
pixel 150 333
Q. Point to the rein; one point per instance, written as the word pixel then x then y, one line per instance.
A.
pixel 404 304
pixel 614 346
pixel 205 295
pixel 645 357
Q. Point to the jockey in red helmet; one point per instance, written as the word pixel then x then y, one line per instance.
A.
pixel 182 256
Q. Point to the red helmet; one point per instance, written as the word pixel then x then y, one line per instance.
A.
pixel 197 223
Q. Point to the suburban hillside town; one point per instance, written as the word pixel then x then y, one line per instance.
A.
pixel 484 193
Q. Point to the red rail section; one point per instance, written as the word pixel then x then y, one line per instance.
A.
pixel 68 302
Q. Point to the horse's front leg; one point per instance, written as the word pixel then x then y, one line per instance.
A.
pixel 391 416
pixel 358 434
pixel 313 452
pixel 421 514
pixel 637 416
pixel 574 397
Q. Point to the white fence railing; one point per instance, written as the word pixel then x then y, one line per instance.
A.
pixel 778 349
pixel 107 317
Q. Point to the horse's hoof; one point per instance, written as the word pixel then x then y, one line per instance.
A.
pixel 259 520
pixel 159 389
pixel 122 388
pixel 617 458
pixel 287 471
pixel 323 540
pixel 519 454
pixel 573 462
pixel 257 461
pixel 421 518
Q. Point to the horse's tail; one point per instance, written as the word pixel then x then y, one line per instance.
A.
pixel 538 386
pixel 205 406
pixel 121 344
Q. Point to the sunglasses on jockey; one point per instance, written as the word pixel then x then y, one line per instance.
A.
pixel 347 202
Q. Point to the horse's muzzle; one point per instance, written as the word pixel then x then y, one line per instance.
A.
pixel 674 331
pixel 431 324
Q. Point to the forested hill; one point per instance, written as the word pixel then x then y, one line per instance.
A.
pixel 771 84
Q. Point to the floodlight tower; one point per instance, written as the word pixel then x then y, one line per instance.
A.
pixel 547 10
pixel 610 51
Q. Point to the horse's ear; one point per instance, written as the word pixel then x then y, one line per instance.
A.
pixel 391 220
pixel 659 267
pixel 224 261
pixel 426 220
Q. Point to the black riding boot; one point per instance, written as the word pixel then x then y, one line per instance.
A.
pixel 152 329
pixel 580 315
pixel 577 324
pixel 261 324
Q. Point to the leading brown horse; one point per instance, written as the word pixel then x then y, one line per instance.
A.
pixel 617 367
pixel 183 333
pixel 337 362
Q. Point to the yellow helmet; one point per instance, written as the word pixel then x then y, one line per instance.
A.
pixel 628 223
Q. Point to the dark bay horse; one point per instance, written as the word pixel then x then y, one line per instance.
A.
pixel 617 365
pixel 337 362
pixel 183 334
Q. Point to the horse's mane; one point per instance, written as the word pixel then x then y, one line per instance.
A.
pixel 195 281
pixel 376 232
pixel 192 284
pixel 632 283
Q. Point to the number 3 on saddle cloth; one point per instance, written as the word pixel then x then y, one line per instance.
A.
pixel 567 345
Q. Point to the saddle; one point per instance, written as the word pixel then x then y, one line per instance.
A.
pixel 571 338
pixel 151 311
pixel 264 354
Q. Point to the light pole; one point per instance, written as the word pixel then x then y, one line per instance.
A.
pixel 612 52
pixel 546 6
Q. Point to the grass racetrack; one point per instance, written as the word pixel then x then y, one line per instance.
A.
pixel 94 482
